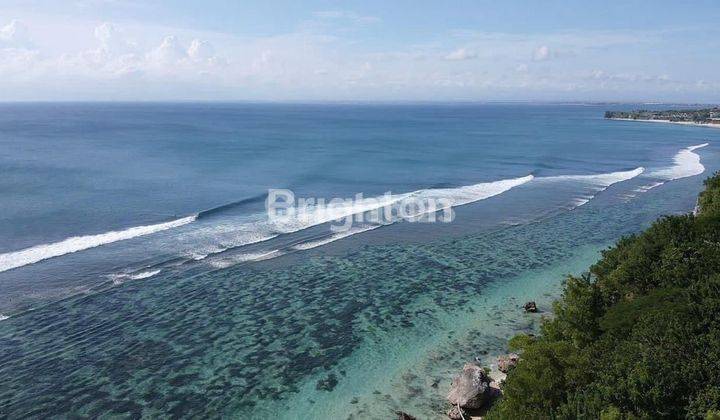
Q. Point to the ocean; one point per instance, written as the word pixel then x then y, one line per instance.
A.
pixel 140 274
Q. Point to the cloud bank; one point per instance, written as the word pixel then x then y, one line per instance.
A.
pixel 323 60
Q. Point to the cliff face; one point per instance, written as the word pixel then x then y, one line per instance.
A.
pixel 639 336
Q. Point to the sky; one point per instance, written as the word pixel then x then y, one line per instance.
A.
pixel 371 50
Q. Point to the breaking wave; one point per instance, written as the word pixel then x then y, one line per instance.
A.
pixel 121 278
pixel 646 188
pixel 235 204
pixel 11 260
pixel 320 242
pixel 686 164
pixel 296 221
pixel 596 183
pixel 253 256
pixel 469 194
pixel 599 180
pixel 215 238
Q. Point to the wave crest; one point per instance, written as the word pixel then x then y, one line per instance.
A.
pixel 471 193
pixel 11 260
pixel 601 180
pixel 686 164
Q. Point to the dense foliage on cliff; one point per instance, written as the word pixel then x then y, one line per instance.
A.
pixel 639 337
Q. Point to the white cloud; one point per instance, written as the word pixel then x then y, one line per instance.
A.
pixel 105 33
pixel 640 77
pixel 200 50
pixel 597 74
pixel 112 40
pixel 109 57
pixel 168 52
pixel 140 61
pixel 346 15
pixel 461 54
pixel 542 53
pixel 18 63
pixel 15 35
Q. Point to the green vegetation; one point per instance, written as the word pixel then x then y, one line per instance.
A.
pixel 700 116
pixel 639 337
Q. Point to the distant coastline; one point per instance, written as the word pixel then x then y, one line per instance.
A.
pixel 706 117
pixel 697 124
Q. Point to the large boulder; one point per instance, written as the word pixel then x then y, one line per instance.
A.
pixel 471 388
pixel 507 362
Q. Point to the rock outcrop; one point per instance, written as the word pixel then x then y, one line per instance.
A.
pixel 457 413
pixel 471 388
pixel 507 362
pixel 530 307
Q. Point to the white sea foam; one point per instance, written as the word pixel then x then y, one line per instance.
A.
pixel 596 183
pixel 201 254
pixel 686 164
pixel 253 256
pixel 296 221
pixel 216 239
pixel 121 278
pixel 646 188
pixel 301 218
pixel 241 240
pixel 469 194
pixel 38 253
pixel 144 274
pixel 333 238
pixel 261 256
pixel 254 232
pixel 580 201
pixel 3 317
pixel 599 180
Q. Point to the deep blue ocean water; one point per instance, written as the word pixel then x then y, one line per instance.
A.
pixel 139 275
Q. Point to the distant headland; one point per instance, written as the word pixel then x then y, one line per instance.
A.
pixel 707 116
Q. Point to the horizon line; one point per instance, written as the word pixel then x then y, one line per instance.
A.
pixel 356 102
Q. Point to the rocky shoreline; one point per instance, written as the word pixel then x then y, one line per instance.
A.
pixel 475 388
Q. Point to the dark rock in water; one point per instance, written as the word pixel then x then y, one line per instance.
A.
pixel 530 307
pixel 401 415
pixel 507 362
pixel 457 413
pixel 355 400
pixel 470 388
pixel 327 384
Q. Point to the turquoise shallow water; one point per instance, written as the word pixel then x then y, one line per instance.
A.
pixel 356 328
pixel 359 335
